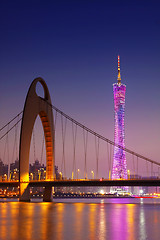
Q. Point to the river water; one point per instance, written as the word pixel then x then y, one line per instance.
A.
pixel 73 219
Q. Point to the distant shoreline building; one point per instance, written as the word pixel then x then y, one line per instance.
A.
pixel 119 169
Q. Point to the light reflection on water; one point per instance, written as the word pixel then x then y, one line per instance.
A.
pixel 102 222
pixel 114 219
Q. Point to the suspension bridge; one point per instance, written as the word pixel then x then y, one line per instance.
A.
pixel 83 157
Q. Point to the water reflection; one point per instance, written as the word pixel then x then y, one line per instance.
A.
pixel 102 223
pixel 65 221
pixel 142 225
pixel 130 221
pixel 92 222
pixel 78 218
pixel 118 220
pixel 45 225
pixel 3 220
pixel 14 220
pixel 25 220
pixel 60 222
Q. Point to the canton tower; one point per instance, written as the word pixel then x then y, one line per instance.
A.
pixel 119 170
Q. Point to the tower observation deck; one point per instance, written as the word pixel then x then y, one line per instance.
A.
pixel 119 169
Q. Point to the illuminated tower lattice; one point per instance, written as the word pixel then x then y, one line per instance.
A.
pixel 119 170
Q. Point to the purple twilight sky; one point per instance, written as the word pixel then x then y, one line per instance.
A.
pixel 74 46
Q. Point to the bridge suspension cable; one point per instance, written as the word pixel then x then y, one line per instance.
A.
pixel 133 165
pixel 10 129
pixel 86 130
pixel 74 136
pixel 97 154
pixel 137 165
pixel 6 153
pixel 63 125
pixel 34 145
pixel 43 142
pixel 11 120
pixel 85 141
pixel 102 137
pixel 15 148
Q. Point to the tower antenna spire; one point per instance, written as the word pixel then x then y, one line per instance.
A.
pixel 119 74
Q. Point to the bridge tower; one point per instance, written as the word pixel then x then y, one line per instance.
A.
pixel 34 106
pixel 119 170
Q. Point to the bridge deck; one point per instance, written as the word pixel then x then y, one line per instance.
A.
pixel 61 183
pixel 87 183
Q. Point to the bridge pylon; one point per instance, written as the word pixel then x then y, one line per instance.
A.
pixel 34 106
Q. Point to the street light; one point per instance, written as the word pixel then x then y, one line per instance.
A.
pixel 5 177
pixel 92 174
pixel 60 175
pixel 78 172
pixel 31 176
pixel 39 174
pixel 128 171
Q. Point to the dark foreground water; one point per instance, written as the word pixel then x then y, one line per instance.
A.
pixel 97 219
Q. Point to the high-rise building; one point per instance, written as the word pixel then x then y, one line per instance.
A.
pixel 119 170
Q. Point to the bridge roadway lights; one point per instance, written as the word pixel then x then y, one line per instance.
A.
pixel 34 106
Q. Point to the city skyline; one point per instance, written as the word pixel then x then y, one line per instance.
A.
pixel 77 59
